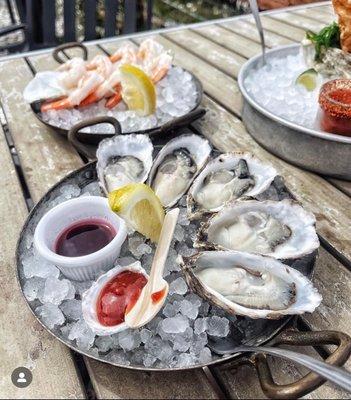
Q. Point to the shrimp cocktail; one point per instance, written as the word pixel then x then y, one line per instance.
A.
pixel 138 86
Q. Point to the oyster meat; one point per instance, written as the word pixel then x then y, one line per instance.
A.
pixel 227 178
pixel 122 160
pixel 176 166
pixel 281 229
pixel 250 285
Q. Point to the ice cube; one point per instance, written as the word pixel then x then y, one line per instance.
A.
pixel 217 326
pixel 56 290
pixel 205 356
pixel 33 288
pixel 72 309
pixel 104 343
pixel 175 324
pixel 129 339
pixel 82 334
pixel 185 360
pixel 50 315
pixel 178 286
pixel 188 309
pixel 36 266
pixel 145 335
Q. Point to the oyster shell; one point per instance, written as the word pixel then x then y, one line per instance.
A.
pixel 225 178
pixel 281 229
pixel 123 159
pixel 90 297
pixel 176 165
pixel 248 284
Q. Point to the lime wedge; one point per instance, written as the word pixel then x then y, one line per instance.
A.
pixel 308 79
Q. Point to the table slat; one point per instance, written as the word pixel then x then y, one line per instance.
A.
pixel 315 14
pixel 230 40
pixel 23 341
pixel 117 383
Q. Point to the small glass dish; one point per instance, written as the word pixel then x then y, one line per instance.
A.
pixel 55 221
pixel 335 103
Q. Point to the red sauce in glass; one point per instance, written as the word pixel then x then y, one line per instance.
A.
pixel 84 237
pixel 157 296
pixel 335 102
pixel 118 296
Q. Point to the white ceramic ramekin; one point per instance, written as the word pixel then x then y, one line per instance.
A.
pixel 65 214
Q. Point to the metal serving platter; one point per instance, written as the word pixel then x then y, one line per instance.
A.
pixel 159 131
pixel 261 331
pixel 315 150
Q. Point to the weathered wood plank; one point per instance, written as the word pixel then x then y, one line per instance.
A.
pixel 23 342
pixel 246 28
pixel 282 28
pixel 298 21
pixel 214 54
pixel 110 382
pixel 230 40
pixel 344 186
pixel 45 156
pixel 315 14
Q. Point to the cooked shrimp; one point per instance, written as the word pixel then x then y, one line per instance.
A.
pixel 102 65
pixel 72 71
pixel 115 99
pixel 126 54
pixel 86 85
pixel 106 89
pixel 149 49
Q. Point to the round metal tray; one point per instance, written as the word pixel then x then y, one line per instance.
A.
pixel 263 330
pixel 315 150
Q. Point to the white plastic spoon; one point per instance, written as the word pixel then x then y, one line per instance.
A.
pixel 154 293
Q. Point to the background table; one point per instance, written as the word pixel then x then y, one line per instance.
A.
pixel 33 158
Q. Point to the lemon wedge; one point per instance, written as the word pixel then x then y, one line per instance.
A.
pixel 138 205
pixel 138 91
pixel 308 79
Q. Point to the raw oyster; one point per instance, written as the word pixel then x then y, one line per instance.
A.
pixel 90 297
pixel 248 284
pixel 123 159
pixel 281 229
pixel 226 178
pixel 176 165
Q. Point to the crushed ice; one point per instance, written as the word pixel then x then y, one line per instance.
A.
pixel 176 337
pixel 273 87
pixel 176 96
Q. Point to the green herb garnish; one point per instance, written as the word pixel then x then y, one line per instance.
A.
pixel 327 37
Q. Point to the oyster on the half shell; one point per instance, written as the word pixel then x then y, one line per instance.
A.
pixel 123 159
pixel 176 166
pixel 281 229
pixel 250 285
pixel 225 178
pixel 90 299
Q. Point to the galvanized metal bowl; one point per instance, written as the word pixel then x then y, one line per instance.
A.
pixel 315 150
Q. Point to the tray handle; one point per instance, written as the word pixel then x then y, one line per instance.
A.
pixel 88 150
pixel 182 121
pixel 59 49
pixel 311 381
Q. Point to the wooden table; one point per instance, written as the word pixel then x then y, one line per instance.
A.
pixel 33 158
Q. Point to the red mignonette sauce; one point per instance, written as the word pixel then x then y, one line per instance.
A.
pixel 335 103
pixel 84 237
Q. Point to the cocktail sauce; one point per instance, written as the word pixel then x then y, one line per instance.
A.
pixel 335 103
pixel 157 296
pixel 118 296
